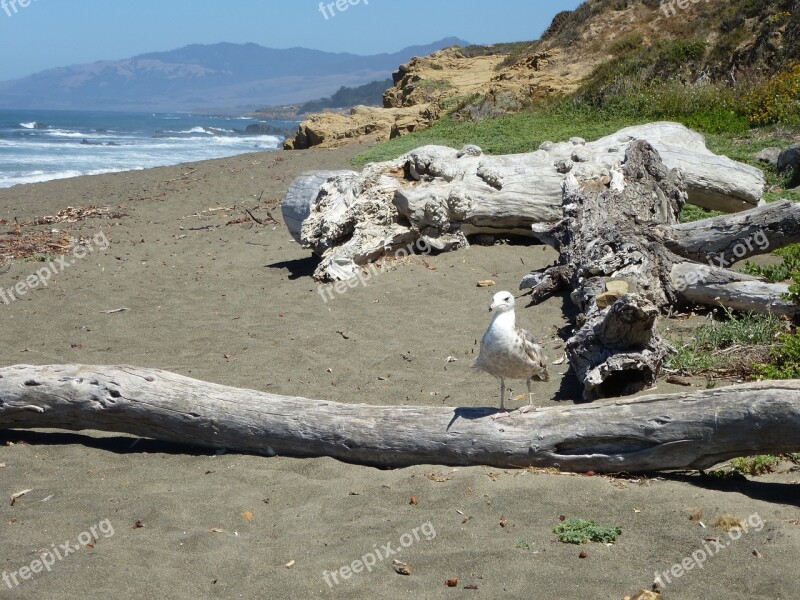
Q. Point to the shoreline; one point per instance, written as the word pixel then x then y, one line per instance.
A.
pixel 213 297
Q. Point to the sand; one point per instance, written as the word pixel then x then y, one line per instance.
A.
pixel 235 304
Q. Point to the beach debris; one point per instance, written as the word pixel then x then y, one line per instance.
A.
pixel 413 500
pixel 437 477
pixel 18 495
pixel 181 177
pixel 644 595
pixel 450 359
pixel 343 333
pixel 71 214
pixel 756 553
pixel 137 524
pixel 728 523
pixel 24 244
pixel 471 586
pixel 486 283
pixel 560 361
pixel 290 564
pixel 400 567
pixel 112 311
pixel 2 465
pixel 216 530
pixel 247 515
pixel 583 554
pixel 46 498
pixel 269 218
pixel 695 513
pixel 678 380
pixel 503 521
pixel 452 582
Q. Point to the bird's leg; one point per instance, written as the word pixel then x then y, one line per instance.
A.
pixel 530 407
pixel 503 412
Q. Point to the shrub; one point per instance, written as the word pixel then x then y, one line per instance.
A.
pixel 776 100
pixel 784 359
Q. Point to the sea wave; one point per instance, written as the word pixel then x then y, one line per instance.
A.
pixel 32 152
pixel 40 176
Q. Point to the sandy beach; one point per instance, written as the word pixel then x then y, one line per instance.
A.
pixel 214 297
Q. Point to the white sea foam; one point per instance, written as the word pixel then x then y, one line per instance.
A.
pixel 30 152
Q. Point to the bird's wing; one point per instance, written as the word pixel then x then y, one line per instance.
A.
pixel 535 353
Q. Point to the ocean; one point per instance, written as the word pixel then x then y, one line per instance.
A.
pixel 39 145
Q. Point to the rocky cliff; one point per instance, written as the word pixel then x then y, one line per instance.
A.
pixel 698 39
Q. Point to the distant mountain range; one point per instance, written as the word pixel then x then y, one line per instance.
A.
pixel 210 78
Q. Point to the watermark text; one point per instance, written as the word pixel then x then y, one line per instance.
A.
pixel 378 554
pixel 48 557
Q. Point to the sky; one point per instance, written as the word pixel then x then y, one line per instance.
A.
pixel 42 34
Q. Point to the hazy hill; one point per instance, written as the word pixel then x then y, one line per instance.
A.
pixel 216 77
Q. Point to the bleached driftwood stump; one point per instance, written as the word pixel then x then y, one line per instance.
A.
pixel 623 231
pixel 692 430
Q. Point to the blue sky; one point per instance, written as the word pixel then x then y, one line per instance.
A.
pixel 53 33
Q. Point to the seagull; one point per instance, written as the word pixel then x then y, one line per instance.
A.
pixel 508 351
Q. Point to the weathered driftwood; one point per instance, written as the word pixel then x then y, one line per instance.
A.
pixel 435 196
pixel 625 227
pixel 721 241
pixel 303 193
pixel 692 430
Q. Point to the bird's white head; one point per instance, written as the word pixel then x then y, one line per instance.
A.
pixel 502 302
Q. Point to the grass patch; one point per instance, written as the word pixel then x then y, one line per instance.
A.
pixel 727 346
pixel 755 465
pixel 690 213
pixel 580 531
pixel 506 134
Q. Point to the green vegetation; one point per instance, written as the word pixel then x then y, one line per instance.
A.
pixel 370 94
pixel 690 212
pixel 783 359
pixel 728 345
pixel 776 100
pixel 580 531
pixel 520 132
pixel 755 465
pixel 781 271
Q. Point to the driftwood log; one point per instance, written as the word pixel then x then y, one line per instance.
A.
pixel 692 430
pixel 434 196
pixel 625 258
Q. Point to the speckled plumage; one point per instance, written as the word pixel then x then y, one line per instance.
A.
pixel 508 351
